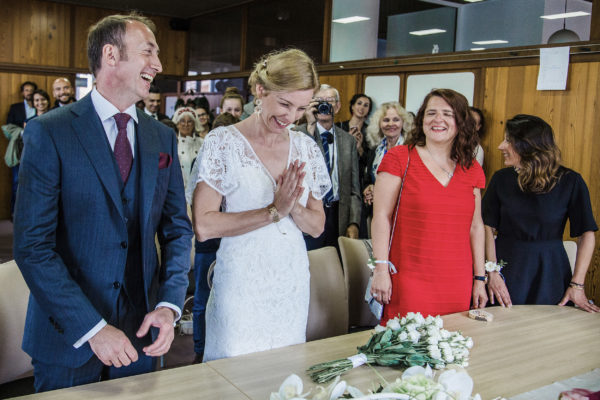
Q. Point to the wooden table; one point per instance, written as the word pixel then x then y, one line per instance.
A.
pixel 525 347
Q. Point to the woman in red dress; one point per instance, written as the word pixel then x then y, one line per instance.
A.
pixel 438 241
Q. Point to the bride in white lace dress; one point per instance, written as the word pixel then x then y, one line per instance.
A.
pixel 269 182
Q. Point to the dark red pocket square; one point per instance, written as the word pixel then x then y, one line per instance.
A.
pixel 164 160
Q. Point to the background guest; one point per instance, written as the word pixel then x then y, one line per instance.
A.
pixel 477 115
pixel 528 204
pixel 41 102
pixel 152 104
pixel 62 90
pixel 188 140
pixel 360 108
pixel 438 238
pixel 389 127
pixel 22 111
pixel 343 202
pixel 203 114
pixel 232 102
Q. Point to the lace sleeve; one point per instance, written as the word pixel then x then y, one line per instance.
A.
pixel 215 160
pixel 317 176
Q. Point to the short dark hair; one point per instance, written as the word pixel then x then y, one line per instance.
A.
pixel 154 89
pixel 225 119
pixel 111 30
pixel 28 83
pixel 358 96
pixel 42 93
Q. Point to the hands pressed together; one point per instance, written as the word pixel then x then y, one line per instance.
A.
pixel 289 188
pixel 113 348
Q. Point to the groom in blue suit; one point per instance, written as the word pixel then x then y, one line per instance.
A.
pixel 99 180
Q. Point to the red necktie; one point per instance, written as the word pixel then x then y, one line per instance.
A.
pixel 122 150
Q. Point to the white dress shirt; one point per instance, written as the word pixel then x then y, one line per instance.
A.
pixel 333 157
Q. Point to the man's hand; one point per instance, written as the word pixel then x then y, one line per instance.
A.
pixel 352 231
pixel 112 347
pixel 161 318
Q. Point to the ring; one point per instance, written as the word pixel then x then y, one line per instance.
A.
pixel 591 301
pixel 375 294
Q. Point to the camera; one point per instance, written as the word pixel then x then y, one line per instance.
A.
pixel 324 107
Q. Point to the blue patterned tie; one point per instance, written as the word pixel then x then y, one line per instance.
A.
pixel 122 149
pixel 326 137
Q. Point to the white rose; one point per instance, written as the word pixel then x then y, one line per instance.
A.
pixel 393 324
pixel 403 336
pixel 379 328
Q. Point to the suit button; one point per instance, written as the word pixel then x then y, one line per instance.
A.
pixel 124 245
pixel 116 284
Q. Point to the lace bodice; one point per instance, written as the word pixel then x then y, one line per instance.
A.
pixel 227 162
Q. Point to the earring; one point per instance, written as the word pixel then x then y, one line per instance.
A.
pixel 258 106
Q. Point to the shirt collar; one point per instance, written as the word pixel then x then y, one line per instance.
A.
pixel 323 130
pixel 148 112
pixel 105 109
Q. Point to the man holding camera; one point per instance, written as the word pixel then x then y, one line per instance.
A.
pixel 343 202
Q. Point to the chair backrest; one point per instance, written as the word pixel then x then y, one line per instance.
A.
pixel 571 249
pixel 356 276
pixel 328 309
pixel 14 296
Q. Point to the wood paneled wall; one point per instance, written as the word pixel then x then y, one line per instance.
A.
pixel 509 90
pixel 43 40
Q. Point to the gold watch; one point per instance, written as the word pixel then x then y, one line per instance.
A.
pixel 273 212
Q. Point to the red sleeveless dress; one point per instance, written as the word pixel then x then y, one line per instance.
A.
pixel 431 246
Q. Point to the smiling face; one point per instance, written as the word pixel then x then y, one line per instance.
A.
pixel 361 107
pixel 202 116
pixel 28 92
pixel 233 107
pixel 511 158
pixel 439 123
pixel 40 103
pixel 152 102
pixel 391 124
pixel 62 90
pixel 185 126
pixel 132 72
pixel 279 109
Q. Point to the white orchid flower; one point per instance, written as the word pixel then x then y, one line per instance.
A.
pixel 457 384
pixel 290 388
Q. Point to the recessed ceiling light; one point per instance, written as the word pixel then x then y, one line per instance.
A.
pixel 349 20
pixel 490 42
pixel 477 48
pixel 566 15
pixel 427 32
pixel 192 73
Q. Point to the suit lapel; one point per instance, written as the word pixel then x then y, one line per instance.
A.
pixel 91 135
pixel 148 146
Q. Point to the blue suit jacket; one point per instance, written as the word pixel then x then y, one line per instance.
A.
pixel 70 225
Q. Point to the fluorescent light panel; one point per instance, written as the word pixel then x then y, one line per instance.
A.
pixel 477 48
pixel 566 15
pixel 349 20
pixel 491 42
pixel 472 1
pixel 427 32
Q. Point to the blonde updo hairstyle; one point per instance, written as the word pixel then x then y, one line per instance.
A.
pixel 232 93
pixel 374 133
pixel 284 71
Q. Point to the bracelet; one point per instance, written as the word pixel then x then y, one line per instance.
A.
pixel 575 285
pixel 381 262
pixel 491 266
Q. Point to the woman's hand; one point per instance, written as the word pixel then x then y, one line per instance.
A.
pixel 497 290
pixel 578 297
pixel 358 136
pixel 479 295
pixel 368 195
pixel 381 285
pixel 289 188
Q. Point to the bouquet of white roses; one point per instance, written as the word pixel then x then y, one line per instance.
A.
pixel 404 342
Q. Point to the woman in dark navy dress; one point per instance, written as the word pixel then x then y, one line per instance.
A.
pixel 529 204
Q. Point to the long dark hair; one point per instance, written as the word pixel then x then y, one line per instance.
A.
pixel 533 140
pixel 466 140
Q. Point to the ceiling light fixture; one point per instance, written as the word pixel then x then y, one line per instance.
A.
pixel 477 48
pixel 349 20
pixel 564 35
pixel 566 15
pixel 497 41
pixel 473 1
pixel 427 32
